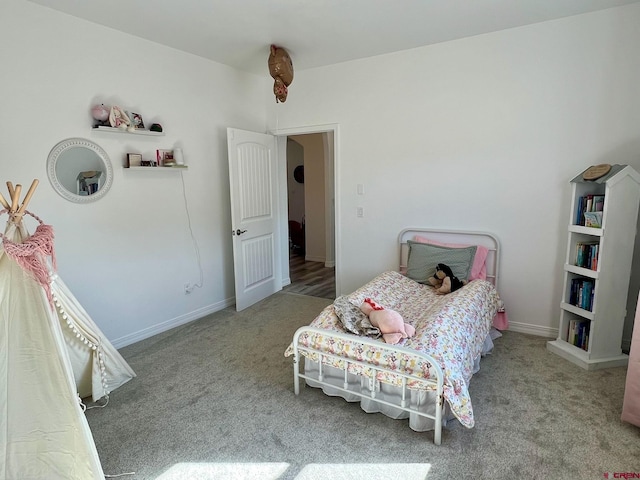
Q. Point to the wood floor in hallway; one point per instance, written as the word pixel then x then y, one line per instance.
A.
pixel 311 278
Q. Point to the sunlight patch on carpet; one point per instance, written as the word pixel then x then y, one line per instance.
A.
pixel 224 471
pixel 313 471
pixel 365 471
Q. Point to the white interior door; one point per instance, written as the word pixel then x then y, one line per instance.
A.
pixel 254 215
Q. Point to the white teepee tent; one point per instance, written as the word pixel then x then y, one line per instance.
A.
pixel 51 354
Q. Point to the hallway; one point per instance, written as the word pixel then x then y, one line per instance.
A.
pixel 311 278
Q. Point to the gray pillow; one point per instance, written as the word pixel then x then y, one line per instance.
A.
pixel 424 257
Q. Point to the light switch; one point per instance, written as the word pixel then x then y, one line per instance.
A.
pixel 360 189
pixel 360 212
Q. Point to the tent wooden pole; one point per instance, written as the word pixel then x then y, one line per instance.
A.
pixel 10 187
pixel 15 198
pixel 27 197
pixel 4 202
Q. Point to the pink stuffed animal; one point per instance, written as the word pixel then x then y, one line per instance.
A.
pixel 390 322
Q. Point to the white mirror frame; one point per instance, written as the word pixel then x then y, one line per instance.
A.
pixel 66 145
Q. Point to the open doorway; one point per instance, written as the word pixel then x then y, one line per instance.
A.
pixel 310 212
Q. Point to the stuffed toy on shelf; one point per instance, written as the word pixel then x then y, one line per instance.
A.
pixel 118 119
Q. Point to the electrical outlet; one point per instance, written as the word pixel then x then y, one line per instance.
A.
pixel 188 288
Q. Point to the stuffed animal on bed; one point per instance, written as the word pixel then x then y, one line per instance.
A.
pixel 445 281
pixel 390 322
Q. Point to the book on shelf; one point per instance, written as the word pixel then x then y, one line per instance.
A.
pixel 579 211
pixel 587 255
pixel 589 207
pixel 578 333
pixel 581 293
pixel 598 203
pixel 593 219
pixel 589 204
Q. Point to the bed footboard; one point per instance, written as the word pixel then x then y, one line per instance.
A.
pixel 374 371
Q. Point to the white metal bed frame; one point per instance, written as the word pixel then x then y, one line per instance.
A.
pixel 374 383
pixel 437 378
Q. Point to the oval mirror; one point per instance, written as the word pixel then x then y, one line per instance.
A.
pixel 79 170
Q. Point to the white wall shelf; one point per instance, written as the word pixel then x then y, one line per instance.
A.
pixel 590 331
pixel 126 132
pixel 159 169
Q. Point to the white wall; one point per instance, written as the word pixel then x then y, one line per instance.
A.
pixel 127 256
pixel 482 133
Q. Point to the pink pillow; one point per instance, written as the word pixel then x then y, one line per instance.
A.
pixel 478 269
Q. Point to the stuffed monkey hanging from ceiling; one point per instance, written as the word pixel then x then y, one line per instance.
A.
pixel 281 69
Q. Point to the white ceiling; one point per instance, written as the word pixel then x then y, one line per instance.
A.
pixel 314 32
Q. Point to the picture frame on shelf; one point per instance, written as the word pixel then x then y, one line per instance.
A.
pixel 134 160
pixel 165 158
pixel 136 120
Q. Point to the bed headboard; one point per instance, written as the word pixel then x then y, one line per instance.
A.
pixel 455 236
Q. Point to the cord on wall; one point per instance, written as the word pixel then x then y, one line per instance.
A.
pixel 189 288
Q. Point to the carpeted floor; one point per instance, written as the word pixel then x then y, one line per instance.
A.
pixel 214 400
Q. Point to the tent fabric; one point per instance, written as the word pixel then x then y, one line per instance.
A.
pixel 49 357
pixel 98 368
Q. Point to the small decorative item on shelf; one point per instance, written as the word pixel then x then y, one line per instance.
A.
pixel 593 219
pixel 596 171
pixel 178 156
pixel 119 119
pixel 100 114
pixel 156 127
pixel 134 160
pixel 136 120
pixel 165 158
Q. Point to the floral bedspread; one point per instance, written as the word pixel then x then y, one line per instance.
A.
pixel 450 328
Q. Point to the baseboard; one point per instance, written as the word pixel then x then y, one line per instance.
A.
pixel 169 324
pixel 309 258
pixel 533 329
pixel 330 264
pixel 286 281
pixel 551 332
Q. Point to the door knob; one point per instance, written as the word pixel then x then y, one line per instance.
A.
pixel 238 232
